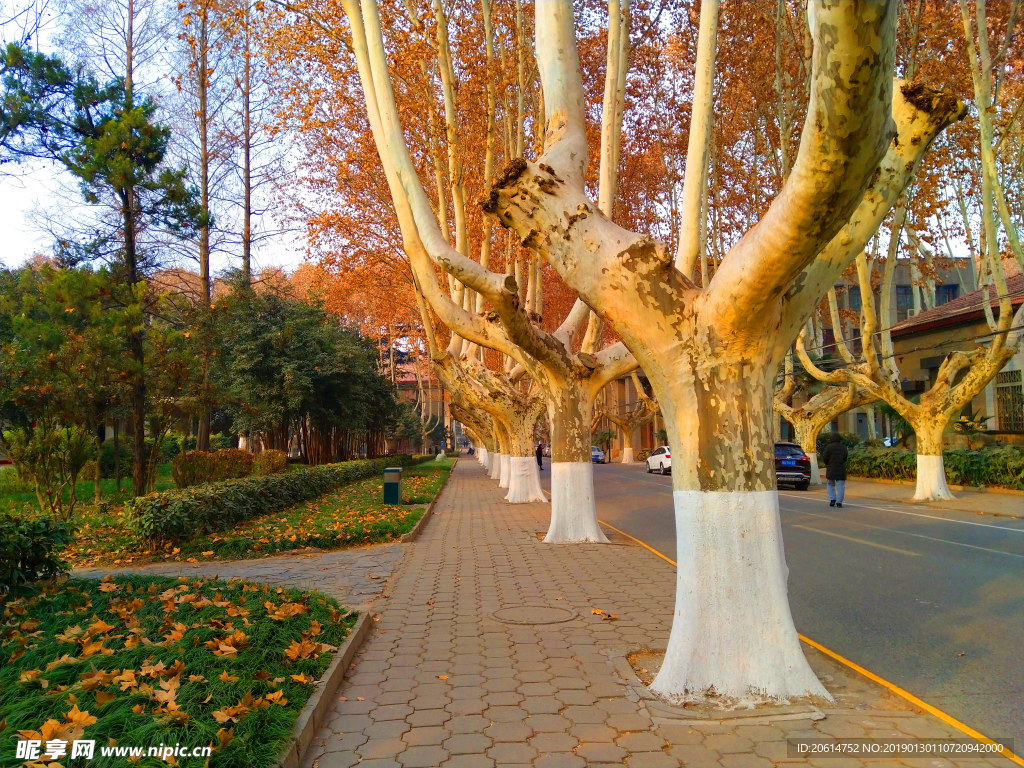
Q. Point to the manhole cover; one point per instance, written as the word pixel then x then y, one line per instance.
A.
pixel 533 614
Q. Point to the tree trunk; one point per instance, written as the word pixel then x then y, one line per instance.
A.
pixel 931 472
pixel 807 432
pixel 733 629
pixel 97 494
pixel 627 447
pixel 573 508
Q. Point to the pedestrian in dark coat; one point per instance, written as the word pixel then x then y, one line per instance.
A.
pixel 540 455
pixel 835 456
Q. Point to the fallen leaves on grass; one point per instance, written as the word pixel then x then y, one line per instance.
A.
pixel 235 713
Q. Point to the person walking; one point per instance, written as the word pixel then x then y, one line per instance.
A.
pixel 835 456
pixel 540 455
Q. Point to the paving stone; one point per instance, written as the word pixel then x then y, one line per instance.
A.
pixel 422 757
pixel 425 736
pixel 541 705
pixel 694 754
pixel 508 731
pixel 640 742
pixel 559 760
pixel 726 742
pixel 554 742
pixel 629 722
pixel 506 714
pixel 466 707
pixel 387 729
pixel 428 717
pixel 543 723
pixel 462 743
pixel 467 724
pixel 580 714
pixel 751 761
pixel 506 753
pixel 391 712
pixel 375 748
pixel 596 752
pixel 338 759
pixel 651 760
pixel 469 761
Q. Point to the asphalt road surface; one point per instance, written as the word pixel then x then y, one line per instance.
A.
pixel 930 600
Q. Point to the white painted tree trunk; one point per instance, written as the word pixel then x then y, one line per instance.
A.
pixel 504 470
pixel 732 628
pixel 573 512
pixel 815 472
pixel 573 508
pixel 627 455
pixel 494 469
pixel 482 457
pixel 931 479
pixel 524 481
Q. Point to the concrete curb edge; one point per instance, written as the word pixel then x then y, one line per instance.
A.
pixel 315 710
pixel 421 523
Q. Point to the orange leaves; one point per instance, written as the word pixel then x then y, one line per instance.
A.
pixel 303 679
pixel 226 678
pixel 284 611
pixel 305 649
pixel 72 727
pixel 228 646
pixel 235 713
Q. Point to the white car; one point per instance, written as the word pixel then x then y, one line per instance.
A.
pixel 660 460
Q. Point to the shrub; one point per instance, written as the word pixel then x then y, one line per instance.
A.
pixel 189 512
pixel 28 549
pixel 270 462
pixel 199 467
pixel 849 439
pixel 989 467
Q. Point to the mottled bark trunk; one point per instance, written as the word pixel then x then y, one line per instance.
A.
pixel 573 509
pixel 733 629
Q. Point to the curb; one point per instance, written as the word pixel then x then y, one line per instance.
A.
pixel 312 715
pixel 952 486
pixel 421 523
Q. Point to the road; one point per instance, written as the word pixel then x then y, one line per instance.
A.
pixel 930 600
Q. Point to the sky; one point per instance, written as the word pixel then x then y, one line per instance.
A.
pixel 32 187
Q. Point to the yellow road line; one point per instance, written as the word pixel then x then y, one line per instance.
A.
pixel 947 719
pixel 857 541
pixel 914 700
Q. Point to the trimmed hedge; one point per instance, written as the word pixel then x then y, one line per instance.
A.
pixel 28 550
pixel 198 467
pixel 186 513
pixel 270 462
pixel 1001 467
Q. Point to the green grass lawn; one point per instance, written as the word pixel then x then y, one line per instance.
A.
pixel 353 515
pixel 138 661
pixel 14 497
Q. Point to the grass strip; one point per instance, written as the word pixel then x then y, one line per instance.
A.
pixel 143 661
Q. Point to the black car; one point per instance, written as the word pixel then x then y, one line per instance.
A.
pixel 792 466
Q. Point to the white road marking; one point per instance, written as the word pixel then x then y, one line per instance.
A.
pixel 903 533
pixel 914 514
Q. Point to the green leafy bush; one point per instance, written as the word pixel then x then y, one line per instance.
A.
pixel 270 462
pixel 29 548
pixel 849 439
pixel 189 512
pixel 199 467
pixel 999 467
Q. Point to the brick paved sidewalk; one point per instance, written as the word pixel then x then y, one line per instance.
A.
pixel 440 682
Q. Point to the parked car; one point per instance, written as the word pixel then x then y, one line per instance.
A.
pixel 792 466
pixel 660 460
pixel 596 455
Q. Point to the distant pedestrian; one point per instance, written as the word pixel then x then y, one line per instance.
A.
pixel 835 456
pixel 540 455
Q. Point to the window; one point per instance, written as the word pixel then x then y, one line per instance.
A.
pixel 854 297
pixel 904 302
pixel 1010 401
pixel 946 293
